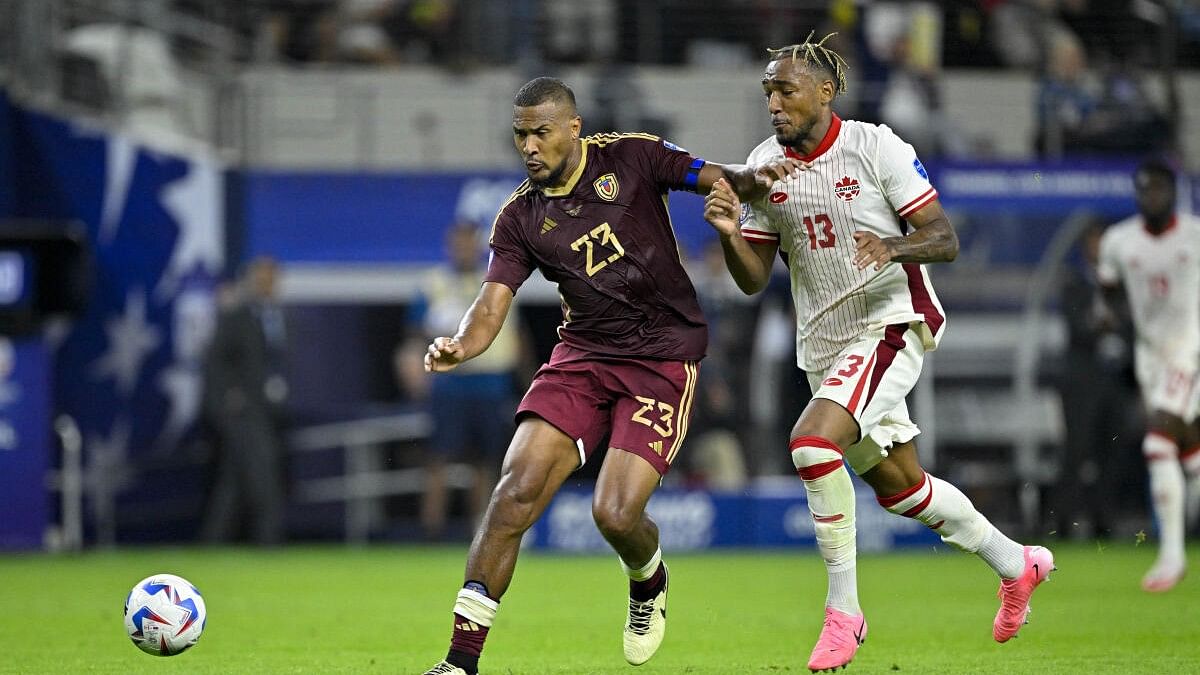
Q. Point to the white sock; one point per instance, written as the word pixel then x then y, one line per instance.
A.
pixel 645 571
pixel 475 606
pixel 946 510
pixel 1191 470
pixel 831 502
pixel 1166 490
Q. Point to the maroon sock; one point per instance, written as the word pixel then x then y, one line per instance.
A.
pixel 646 590
pixel 468 638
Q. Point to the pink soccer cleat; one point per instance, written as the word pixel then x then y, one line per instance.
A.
pixel 840 638
pixel 1163 577
pixel 1014 593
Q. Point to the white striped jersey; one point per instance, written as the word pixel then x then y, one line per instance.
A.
pixel 863 177
pixel 1161 275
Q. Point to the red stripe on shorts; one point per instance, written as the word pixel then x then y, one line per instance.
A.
pixel 862 381
pixel 892 343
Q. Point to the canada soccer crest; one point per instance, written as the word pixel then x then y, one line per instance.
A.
pixel 846 189
pixel 607 187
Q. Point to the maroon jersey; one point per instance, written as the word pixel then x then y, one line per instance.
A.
pixel 606 239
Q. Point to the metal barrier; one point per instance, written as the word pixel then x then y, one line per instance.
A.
pixel 365 481
pixel 68 482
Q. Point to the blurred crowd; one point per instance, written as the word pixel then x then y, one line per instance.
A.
pixel 1089 58
pixel 955 33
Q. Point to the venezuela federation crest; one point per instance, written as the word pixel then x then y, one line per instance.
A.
pixel 607 187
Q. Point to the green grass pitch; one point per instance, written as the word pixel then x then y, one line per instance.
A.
pixel 386 610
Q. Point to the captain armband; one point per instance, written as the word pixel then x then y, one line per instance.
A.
pixel 692 178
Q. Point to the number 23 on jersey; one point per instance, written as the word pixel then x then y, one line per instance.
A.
pixel 601 235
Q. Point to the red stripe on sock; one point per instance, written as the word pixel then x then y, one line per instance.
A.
pixel 817 470
pixel 912 513
pixel 937 525
pixel 829 519
pixel 888 502
pixel 1167 437
pixel 1190 452
pixel 814 442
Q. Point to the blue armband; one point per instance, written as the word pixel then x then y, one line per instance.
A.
pixel 693 174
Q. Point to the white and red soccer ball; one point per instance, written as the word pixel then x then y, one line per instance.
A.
pixel 164 615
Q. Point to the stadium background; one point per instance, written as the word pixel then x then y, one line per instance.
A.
pixel 186 137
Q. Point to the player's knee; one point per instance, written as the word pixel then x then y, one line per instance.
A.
pixel 615 521
pixel 814 456
pixel 515 500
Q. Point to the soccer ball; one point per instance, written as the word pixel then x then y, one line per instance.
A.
pixel 164 615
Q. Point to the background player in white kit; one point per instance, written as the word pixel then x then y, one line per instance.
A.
pixel 1155 255
pixel 866 314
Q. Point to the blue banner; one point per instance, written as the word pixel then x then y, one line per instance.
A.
pixel 690 520
pixel 1105 187
pixel 1005 212
pixel 24 442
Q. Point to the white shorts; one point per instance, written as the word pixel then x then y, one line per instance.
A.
pixel 870 379
pixel 1170 388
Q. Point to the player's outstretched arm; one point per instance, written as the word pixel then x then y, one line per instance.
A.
pixel 479 327
pixel 749 182
pixel 750 265
pixel 933 240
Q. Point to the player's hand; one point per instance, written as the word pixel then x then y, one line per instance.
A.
pixel 870 249
pixel 722 208
pixel 766 175
pixel 443 354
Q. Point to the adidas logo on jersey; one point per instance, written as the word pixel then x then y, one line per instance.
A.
pixel 548 225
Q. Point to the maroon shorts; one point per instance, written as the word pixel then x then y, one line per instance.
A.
pixel 643 406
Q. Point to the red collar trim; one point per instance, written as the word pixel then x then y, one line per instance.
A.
pixel 835 127
pixel 1170 226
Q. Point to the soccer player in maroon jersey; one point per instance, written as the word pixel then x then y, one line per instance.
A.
pixel 592 217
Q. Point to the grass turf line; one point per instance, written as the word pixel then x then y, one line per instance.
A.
pixel 387 610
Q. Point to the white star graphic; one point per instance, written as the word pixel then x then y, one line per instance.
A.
pixel 120 160
pixel 182 385
pixel 195 203
pixel 130 341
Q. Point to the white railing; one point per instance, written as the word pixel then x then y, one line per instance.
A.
pixel 365 482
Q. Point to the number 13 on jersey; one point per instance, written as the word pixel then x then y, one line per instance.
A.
pixel 826 237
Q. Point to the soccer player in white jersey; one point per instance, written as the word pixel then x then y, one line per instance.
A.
pixel 1155 256
pixel 855 229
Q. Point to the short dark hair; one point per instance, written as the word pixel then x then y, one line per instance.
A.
pixel 542 89
pixel 1156 166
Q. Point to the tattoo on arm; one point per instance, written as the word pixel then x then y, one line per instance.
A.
pixel 936 241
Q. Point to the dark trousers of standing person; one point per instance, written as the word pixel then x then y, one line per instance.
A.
pixel 249 485
pixel 1090 470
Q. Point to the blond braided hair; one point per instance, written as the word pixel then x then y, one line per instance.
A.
pixel 816 54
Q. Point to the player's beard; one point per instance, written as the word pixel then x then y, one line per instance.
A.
pixel 551 178
pixel 795 136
